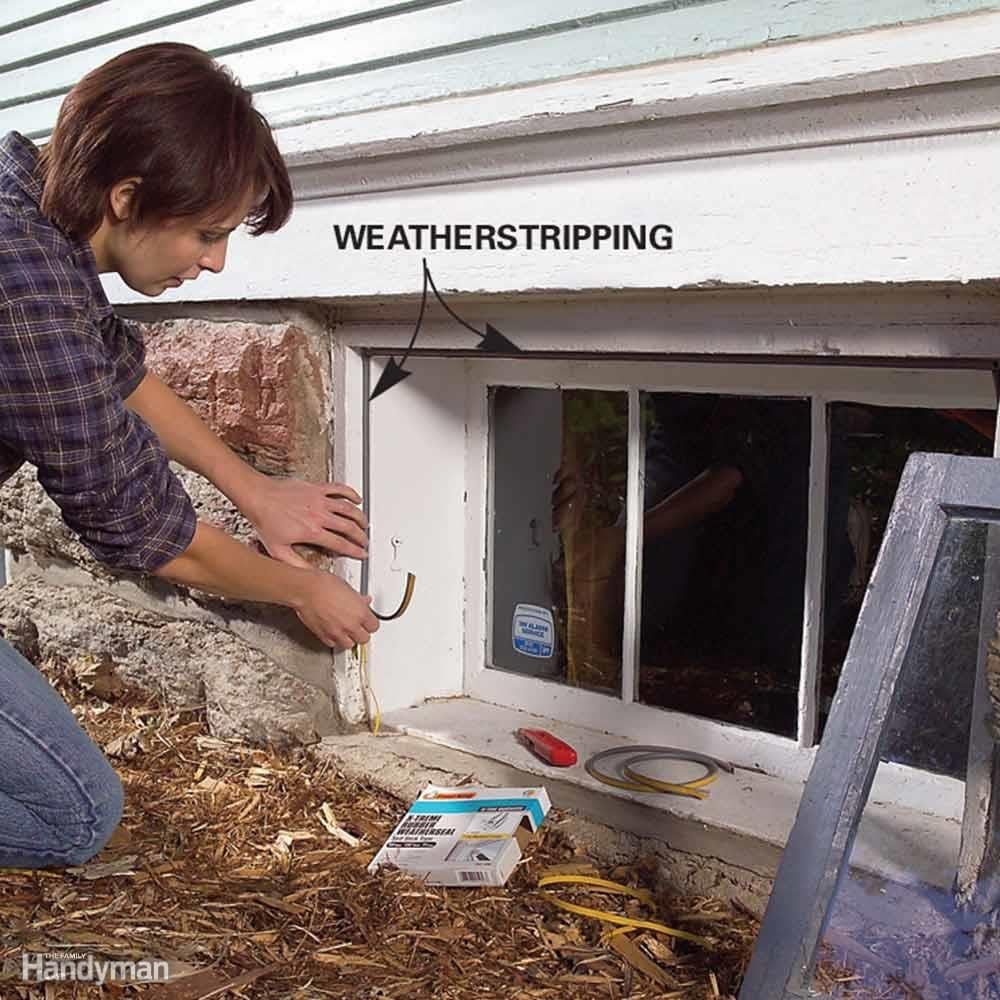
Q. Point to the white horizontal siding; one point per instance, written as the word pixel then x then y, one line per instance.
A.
pixel 27 12
pixel 319 59
pixel 92 26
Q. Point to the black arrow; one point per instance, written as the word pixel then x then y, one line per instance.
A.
pixel 493 341
pixel 496 343
pixel 394 373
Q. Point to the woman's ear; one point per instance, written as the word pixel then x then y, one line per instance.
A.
pixel 121 199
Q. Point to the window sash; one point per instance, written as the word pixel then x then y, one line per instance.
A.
pixel 822 385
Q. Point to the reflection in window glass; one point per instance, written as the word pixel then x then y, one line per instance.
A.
pixel 558 537
pixel 895 931
pixel 869 446
pixel 724 555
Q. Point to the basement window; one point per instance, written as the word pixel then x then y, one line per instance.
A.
pixel 696 540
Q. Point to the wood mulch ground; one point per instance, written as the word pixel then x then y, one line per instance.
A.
pixel 230 863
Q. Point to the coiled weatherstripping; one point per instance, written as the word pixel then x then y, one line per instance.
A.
pixel 634 781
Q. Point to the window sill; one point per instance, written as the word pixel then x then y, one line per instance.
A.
pixel 895 843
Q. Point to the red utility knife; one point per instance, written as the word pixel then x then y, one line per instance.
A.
pixel 549 748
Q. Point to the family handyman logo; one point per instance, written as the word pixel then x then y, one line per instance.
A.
pixel 39 967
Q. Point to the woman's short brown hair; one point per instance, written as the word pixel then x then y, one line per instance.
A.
pixel 173 117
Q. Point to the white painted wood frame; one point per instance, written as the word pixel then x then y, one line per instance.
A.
pixel 786 758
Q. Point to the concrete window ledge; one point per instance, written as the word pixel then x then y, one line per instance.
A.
pixel 728 844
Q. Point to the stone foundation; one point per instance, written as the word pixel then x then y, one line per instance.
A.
pixel 261 674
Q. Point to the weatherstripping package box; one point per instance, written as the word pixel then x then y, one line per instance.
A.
pixel 464 836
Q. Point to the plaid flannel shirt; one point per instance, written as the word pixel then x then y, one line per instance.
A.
pixel 67 363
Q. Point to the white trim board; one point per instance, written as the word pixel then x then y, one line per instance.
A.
pixel 835 325
pixel 872 61
pixel 907 210
pixel 671 133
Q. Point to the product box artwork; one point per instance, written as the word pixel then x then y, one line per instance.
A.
pixel 465 836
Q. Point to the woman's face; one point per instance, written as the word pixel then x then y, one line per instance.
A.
pixel 150 258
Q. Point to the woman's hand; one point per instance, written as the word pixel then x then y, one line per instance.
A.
pixel 336 613
pixel 287 512
pixel 218 564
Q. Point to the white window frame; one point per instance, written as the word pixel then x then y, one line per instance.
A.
pixel 788 758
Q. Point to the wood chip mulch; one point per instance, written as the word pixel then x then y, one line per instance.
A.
pixel 236 864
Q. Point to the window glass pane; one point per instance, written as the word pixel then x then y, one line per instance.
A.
pixel 895 930
pixel 869 446
pixel 724 554
pixel 560 459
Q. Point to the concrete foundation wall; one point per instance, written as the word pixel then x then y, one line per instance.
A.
pixel 264 388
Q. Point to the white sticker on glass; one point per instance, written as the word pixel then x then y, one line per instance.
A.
pixel 533 631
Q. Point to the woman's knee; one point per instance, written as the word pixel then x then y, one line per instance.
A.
pixel 72 835
pixel 60 798
pixel 99 816
pixel 108 812
pixel 69 829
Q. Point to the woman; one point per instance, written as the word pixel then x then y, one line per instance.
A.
pixel 156 157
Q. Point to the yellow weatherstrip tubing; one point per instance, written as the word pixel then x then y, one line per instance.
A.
pixel 375 718
pixel 643 895
pixel 633 781
pixel 411 581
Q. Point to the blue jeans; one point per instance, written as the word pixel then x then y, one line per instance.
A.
pixel 60 799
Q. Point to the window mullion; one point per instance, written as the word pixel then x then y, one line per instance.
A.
pixel 634 507
pixel 812 622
